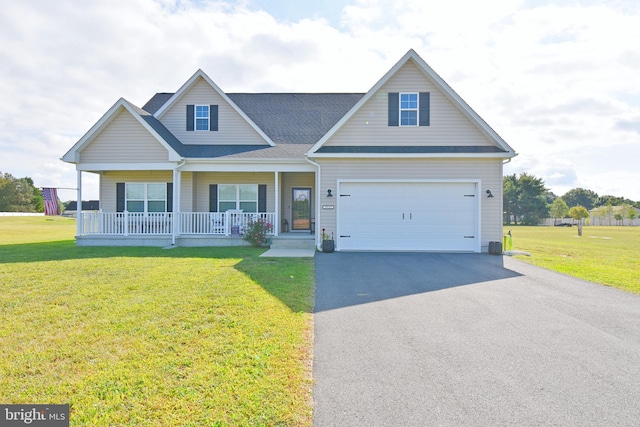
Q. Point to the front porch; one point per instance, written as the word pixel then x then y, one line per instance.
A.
pixel 197 208
pixel 191 229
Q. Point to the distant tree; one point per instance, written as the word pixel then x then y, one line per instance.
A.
pixel 629 212
pixel 19 194
pixel 579 213
pixel 580 197
pixel 550 197
pixel 559 208
pixel 619 217
pixel 608 209
pixel 600 213
pixel 510 198
pixel 612 201
pixel 524 199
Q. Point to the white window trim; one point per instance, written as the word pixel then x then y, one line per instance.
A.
pixel 417 109
pixel 196 118
pixel 237 199
pixel 146 199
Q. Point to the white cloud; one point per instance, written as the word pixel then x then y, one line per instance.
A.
pixel 558 80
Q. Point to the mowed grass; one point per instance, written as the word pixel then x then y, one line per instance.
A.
pixel 153 337
pixel 607 255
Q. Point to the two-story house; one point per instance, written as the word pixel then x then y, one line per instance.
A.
pixel 406 166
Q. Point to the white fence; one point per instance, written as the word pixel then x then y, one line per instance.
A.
pixel 593 220
pixel 192 223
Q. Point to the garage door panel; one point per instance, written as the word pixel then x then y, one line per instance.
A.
pixel 408 216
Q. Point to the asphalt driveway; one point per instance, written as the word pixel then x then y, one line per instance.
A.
pixel 420 339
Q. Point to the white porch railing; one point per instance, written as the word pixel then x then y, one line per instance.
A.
pixel 127 223
pixel 222 223
pixel 193 223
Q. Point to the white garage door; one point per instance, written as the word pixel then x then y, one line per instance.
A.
pixel 432 216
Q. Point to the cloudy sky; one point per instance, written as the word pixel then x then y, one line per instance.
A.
pixel 559 80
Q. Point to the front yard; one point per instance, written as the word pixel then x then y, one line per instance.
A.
pixel 147 336
pixel 607 255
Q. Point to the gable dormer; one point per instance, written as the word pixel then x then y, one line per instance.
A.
pixel 199 113
pixel 411 111
pixel 104 143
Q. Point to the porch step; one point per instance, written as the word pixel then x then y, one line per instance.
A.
pixel 291 242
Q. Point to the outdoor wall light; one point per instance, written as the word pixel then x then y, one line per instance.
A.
pixel 489 195
pixel 329 193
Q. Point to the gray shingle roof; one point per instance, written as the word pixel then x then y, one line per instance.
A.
pixel 295 118
pixel 295 122
pixel 157 101
pixel 286 118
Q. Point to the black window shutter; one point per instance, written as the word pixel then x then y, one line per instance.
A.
pixel 394 109
pixel 425 99
pixel 190 117
pixel 262 198
pixel 213 117
pixel 120 197
pixel 213 198
pixel 169 196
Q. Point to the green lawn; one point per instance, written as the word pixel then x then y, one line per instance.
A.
pixel 607 255
pixel 147 336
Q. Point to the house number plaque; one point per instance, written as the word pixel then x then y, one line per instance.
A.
pixel 327 206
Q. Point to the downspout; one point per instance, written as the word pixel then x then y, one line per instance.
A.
pixel 176 191
pixel 318 181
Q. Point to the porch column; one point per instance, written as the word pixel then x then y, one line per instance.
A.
pixel 176 205
pixel 276 181
pixel 79 219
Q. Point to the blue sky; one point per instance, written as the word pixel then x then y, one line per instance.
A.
pixel 294 11
pixel 557 79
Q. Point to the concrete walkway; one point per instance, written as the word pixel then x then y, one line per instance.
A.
pixel 421 339
pixel 290 253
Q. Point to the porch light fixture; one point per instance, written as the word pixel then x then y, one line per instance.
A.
pixel 329 193
pixel 489 195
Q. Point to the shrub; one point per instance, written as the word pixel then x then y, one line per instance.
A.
pixel 256 232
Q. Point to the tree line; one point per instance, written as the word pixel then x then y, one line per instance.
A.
pixel 19 194
pixel 527 201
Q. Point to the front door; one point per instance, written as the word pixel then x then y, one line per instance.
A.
pixel 301 208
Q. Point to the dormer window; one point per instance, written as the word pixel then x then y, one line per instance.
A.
pixel 202 117
pixel 409 109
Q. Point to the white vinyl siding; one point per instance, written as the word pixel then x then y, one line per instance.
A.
pixel 109 179
pixel 448 125
pixel 487 171
pixel 124 140
pixel 232 127
pixel 187 191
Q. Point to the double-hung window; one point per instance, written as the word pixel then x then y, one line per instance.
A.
pixel 146 197
pixel 408 109
pixel 238 197
pixel 202 117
